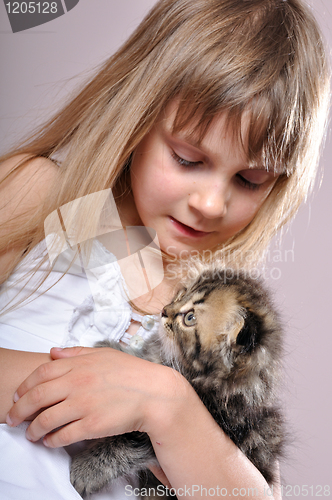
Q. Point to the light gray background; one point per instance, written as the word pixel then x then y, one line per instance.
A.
pixel 40 67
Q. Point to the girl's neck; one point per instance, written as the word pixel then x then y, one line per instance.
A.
pixel 153 301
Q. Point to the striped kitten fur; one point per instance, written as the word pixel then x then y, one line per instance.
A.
pixel 223 335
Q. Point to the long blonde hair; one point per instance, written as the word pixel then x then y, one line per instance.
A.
pixel 262 57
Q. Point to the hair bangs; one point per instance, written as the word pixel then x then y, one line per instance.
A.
pixel 245 67
pixel 265 135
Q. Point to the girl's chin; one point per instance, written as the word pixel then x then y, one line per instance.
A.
pixel 176 242
pixel 181 251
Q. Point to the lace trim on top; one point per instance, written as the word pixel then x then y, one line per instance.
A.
pixel 106 313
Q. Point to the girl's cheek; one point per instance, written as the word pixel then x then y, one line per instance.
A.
pixel 244 213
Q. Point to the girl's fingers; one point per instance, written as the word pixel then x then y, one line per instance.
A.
pixel 40 396
pixel 44 373
pixel 68 352
pixel 52 370
pixel 103 393
pixel 56 424
pixel 63 437
pixel 72 433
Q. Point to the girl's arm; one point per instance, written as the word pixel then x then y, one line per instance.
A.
pixel 101 392
pixel 20 194
pixel 15 366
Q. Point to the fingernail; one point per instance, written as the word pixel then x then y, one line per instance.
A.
pixel 9 421
pixel 16 397
pixel 27 435
pixel 45 443
pixel 57 349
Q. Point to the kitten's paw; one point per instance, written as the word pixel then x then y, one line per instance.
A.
pixel 106 459
pixel 88 477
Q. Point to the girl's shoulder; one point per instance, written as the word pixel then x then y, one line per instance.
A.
pixel 42 170
pixel 26 186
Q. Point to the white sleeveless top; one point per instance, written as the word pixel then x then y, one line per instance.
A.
pixel 65 315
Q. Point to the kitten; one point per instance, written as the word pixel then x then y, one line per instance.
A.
pixel 224 336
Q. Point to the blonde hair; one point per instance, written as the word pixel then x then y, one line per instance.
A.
pixel 262 57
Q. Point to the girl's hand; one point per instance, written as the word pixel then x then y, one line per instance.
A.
pixel 90 393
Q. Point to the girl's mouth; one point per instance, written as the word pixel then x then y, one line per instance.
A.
pixel 187 230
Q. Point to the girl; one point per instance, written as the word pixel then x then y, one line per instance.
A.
pixel 207 125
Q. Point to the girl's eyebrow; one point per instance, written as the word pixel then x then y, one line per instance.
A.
pixel 191 140
pixel 186 140
pixel 187 137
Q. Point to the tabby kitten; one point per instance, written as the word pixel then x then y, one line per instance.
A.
pixel 223 335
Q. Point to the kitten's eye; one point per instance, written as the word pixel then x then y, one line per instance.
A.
pixel 189 318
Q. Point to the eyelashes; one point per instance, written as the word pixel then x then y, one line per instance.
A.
pixel 247 184
pixel 183 162
pixel 241 180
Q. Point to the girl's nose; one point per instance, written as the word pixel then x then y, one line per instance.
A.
pixel 210 201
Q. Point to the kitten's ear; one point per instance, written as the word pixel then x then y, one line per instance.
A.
pixel 179 294
pixel 235 328
pixel 248 336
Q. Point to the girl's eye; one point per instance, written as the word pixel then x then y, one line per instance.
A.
pixel 247 184
pixel 183 162
pixel 254 178
pixel 189 318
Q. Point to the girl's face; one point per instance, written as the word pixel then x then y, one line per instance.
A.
pixel 195 196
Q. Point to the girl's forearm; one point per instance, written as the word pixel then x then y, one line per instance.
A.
pixel 198 458
pixel 192 450
pixel 15 366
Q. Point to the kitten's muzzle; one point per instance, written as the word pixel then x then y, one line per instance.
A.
pixel 164 313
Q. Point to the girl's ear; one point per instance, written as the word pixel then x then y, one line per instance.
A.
pixel 249 335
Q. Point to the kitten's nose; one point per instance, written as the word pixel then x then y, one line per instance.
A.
pixel 164 313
